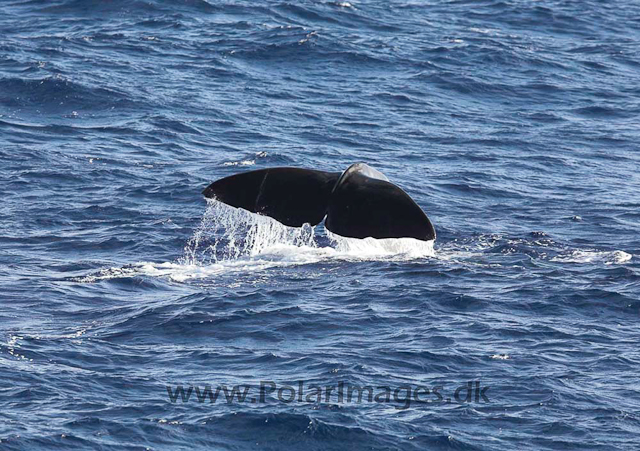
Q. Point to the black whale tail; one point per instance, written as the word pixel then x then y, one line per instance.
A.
pixel 358 203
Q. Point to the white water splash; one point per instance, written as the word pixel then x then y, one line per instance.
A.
pixel 233 240
pixel 227 233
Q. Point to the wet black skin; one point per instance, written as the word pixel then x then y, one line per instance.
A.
pixel 355 205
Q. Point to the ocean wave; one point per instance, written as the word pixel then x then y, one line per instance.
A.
pixel 57 93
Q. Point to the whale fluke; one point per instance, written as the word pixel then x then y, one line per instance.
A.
pixel 358 203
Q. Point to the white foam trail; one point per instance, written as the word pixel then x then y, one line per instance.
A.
pixel 372 248
pixel 233 240
pixel 176 271
pixel 580 256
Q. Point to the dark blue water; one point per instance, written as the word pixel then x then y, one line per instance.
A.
pixel 513 124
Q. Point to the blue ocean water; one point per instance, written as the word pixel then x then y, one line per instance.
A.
pixel 514 124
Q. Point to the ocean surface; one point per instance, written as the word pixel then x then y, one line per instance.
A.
pixel 514 124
